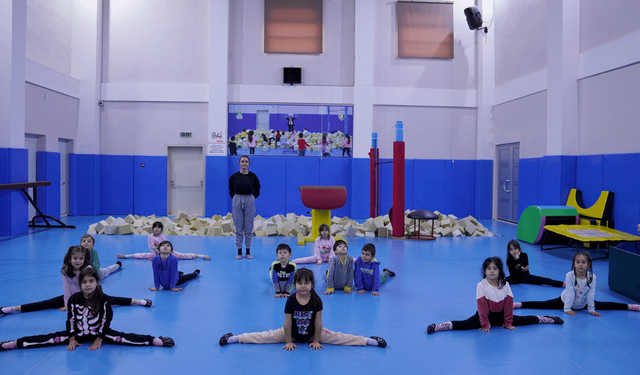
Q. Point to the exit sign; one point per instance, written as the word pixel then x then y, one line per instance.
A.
pixel 185 134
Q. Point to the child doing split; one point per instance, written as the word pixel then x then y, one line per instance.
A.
pixel 518 264
pixel 89 318
pixel 281 272
pixel 302 323
pixel 495 305
pixel 340 272
pixel 165 270
pixel 75 260
pixel 153 242
pixel 88 242
pixel 579 292
pixel 366 273
pixel 323 249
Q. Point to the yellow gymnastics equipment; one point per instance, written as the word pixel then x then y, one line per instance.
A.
pixel 321 200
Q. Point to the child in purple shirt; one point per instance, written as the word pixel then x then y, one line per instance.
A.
pixel 165 270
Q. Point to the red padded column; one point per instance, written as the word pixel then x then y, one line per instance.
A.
pixel 397 219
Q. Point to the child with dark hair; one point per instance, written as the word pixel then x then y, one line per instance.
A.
pixel 88 242
pixel 281 272
pixel 165 269
pixel 233 146
pixel 153 243
pixel 302 145
pixel 340 272
pixel 366 274
pixel 495 305
pixel 518 264
pixel 89 316
pixel 579 292
pixel 323 249
pixel 302 322
pixel 75 260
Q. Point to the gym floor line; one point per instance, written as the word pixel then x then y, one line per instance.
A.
pixel 435 282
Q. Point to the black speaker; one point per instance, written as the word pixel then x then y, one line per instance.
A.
pixel 474 18
pixel 291 76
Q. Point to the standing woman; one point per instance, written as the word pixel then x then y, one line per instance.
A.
pixel 244 188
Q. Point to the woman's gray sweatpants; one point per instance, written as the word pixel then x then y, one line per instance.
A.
pixel 243 211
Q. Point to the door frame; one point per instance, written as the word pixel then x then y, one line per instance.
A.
pixel 203 147
pixel 496 180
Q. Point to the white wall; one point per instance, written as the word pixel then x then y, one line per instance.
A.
pixel 146 128
pixel 49 33
pixel 50 114
pixel 605 21
pixel 156 41
pixel 249 65
pixel 523 120
pixel 520 29
pixel 429 132
pixel 391 71
pixel 609 105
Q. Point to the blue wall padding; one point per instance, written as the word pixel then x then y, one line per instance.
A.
pixel 272 172
pixel 460 187
pixel 299 171
pixel 527 184
pixel 359 189
pixel 84 184
pixel 591 174
pixel 620 175
pixel 150 185
pixel 549 177
pixel 386 186
pixel 429 185
pixel 48 169
pixel 556 176
pixel 14 206
pixel 483 187
pixel 217 201
pixel 116 176
pixel 589 177
pixel 337 172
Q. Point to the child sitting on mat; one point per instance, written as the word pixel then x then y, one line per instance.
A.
pixel 302 323
pixel 518 264
pixel 323 250
pixel 340 272
pixel 165 270
pixel 281 272
pixel 153 242
pixel 366 273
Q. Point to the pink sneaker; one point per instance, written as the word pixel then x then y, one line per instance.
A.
pixel 238 256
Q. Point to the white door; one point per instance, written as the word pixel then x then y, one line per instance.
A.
pixel 31 144
pixel 262 119
pixel 185 173
pixel 63 149
pixel 508 163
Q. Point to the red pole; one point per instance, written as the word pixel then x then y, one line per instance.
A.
pixel 397 220
pixel 372 182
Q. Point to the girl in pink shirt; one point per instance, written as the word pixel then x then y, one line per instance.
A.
pixel 153 241
pixel 323 248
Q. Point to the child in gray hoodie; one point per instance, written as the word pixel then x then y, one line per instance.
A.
pixel 340 272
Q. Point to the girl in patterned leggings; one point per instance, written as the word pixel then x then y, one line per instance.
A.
pixel 89 317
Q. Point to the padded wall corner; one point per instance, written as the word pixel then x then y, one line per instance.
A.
pixel 116 184
pixel 149 193
pixel 217 173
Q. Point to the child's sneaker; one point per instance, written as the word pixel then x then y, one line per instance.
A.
pixel 147 302
pixel 224 339
pixel 556 319
pixel 167 341
pixel 119 263
pixel 380 340
pixel 431 329
pixel 391 273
